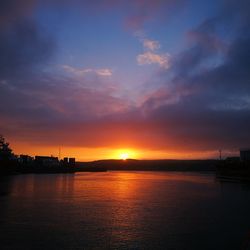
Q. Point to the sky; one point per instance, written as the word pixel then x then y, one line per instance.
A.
pixel 103 78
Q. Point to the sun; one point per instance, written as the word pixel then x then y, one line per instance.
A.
pixel 124 156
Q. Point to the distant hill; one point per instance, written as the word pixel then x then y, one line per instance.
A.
pixel 151 165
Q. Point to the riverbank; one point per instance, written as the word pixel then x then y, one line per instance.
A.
pixel 115 165
pixel 151 165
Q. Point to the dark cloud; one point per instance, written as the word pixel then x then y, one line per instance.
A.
pixel 210 87
pixel 143 11
pixel 194 125
pixel 11 11
pixel 43 105
pixel 22 46
pixel 23 42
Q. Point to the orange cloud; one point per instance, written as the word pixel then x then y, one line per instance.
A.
pixel 82 72
pixel 163 60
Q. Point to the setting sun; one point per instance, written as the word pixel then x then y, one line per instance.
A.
pixel 124 156
pixel 125 153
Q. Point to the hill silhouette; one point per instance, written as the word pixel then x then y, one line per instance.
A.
pixel 150 165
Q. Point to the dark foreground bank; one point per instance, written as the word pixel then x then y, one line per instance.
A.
pixel 14 167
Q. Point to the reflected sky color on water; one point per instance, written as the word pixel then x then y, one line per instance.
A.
pixel 123 210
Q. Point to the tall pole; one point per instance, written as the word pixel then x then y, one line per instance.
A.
pixel 220 154
pixel 59 153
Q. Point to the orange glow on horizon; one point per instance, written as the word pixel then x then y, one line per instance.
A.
pixel 91 154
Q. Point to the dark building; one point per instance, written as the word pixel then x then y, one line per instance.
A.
pixel 46 161
pixel 233 159
pixel 25 159
pixel 65 160
pixel 245 154
pixel 72 162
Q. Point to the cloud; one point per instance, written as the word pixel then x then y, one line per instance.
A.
pixel 148 57
pixel 201 103
pixel 151 44
pixel 12 11
pixel 143 11
pixel 105 72
pixel 24 44
pixel 44 100
pixel 148 44
pixel 203 99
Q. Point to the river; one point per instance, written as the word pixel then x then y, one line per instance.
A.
pixel 123 210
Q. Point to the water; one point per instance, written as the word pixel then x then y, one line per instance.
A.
pixel 123 210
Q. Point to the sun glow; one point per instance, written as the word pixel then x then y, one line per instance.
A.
pixel 124 156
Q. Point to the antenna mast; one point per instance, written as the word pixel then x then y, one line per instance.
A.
pixel 220 153
pixel 59 153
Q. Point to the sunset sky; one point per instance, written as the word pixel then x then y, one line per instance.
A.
pixel 147 78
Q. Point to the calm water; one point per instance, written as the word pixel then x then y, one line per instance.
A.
pixel 123 210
